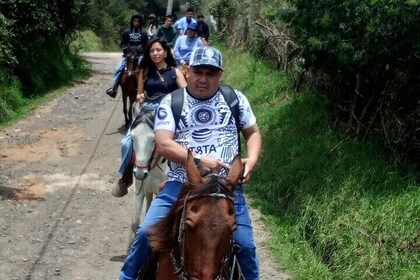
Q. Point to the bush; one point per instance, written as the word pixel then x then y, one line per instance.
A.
pixel 366 57
pixel 10 96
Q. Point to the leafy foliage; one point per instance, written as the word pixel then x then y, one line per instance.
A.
pixel 6 56
pixel 366 56
pixel 337 209
pixel 34 49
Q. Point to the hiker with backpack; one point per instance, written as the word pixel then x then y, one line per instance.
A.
pixel 208 124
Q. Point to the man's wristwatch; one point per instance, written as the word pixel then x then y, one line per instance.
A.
pixel 197 160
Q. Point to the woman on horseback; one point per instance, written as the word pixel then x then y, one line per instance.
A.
pixel 158 77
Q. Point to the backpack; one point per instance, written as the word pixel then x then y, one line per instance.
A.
pixel 177 100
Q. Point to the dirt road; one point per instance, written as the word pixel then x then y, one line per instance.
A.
pixel 57 167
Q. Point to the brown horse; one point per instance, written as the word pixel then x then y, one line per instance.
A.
pixel 128 85
pixel 194 241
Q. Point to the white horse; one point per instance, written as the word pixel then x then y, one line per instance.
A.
pixel 148 171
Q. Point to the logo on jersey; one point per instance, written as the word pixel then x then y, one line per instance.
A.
pixel 202 135
pixel 162 114
pixel 203 115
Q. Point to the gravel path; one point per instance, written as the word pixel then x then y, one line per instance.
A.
pixel 58 219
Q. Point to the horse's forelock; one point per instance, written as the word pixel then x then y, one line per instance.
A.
pixel 164 233
pixel 212 184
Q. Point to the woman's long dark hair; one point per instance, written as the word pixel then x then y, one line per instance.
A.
pixel 148 65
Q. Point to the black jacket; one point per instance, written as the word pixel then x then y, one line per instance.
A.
pixel 203 30
pixel 134 37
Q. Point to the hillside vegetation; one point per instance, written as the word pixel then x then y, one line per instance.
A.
pixel 338 205
pixel 337 208
pixel 363 56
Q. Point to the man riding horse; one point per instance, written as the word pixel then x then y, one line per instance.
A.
pixel 209 130
pixel 133 37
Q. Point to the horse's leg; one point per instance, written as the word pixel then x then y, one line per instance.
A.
pixel 132 96
pixel 124 100
pixel 130 115
pixel 138 205
pixel 149 198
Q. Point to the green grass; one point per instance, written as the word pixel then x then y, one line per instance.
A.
pixel 37 81
pixel 88 41
pixel 336 208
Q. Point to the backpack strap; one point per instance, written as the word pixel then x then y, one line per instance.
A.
pixel 177 102
pixel 232 100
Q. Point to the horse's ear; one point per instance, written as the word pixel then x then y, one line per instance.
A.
pixel 236 170
pixel 193 175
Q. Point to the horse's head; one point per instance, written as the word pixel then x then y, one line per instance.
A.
pixel 203 223
pixel 143 139
pixel 131 61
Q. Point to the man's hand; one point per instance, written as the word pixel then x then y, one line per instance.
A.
pixel 140 98
pixel 209 165
pixel 249 166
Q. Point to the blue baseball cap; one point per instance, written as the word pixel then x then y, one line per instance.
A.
pixel 193 25
pixel 206 56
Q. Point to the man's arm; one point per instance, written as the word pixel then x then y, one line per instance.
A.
pixel 175 36
pixel 167 147
pixel 253 149
pixel 125 40
pixel 159 32
pixel 177 52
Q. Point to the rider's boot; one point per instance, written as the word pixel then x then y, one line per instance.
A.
pixel 121 188
pixel 112 91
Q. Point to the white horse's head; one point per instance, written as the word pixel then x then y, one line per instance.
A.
pixel 143 139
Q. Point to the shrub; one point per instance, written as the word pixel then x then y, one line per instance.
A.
pixel 366 57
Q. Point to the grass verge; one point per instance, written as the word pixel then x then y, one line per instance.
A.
pixel 336 208
pixel 36 82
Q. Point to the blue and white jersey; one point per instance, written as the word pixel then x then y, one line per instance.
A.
pixel 183 24
pixel 206 127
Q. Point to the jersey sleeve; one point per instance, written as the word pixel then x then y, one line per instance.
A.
pixel 164 119
pixel 246 116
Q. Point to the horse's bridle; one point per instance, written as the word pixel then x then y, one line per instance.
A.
pixel 179 263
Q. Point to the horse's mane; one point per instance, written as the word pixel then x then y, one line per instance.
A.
pixel 163 235
pixel 145 115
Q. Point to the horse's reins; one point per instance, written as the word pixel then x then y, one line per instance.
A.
pixel 179 264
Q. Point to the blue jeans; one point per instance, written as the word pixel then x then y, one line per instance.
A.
pixel 119 69
pixel 141 250
pixel 126 151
